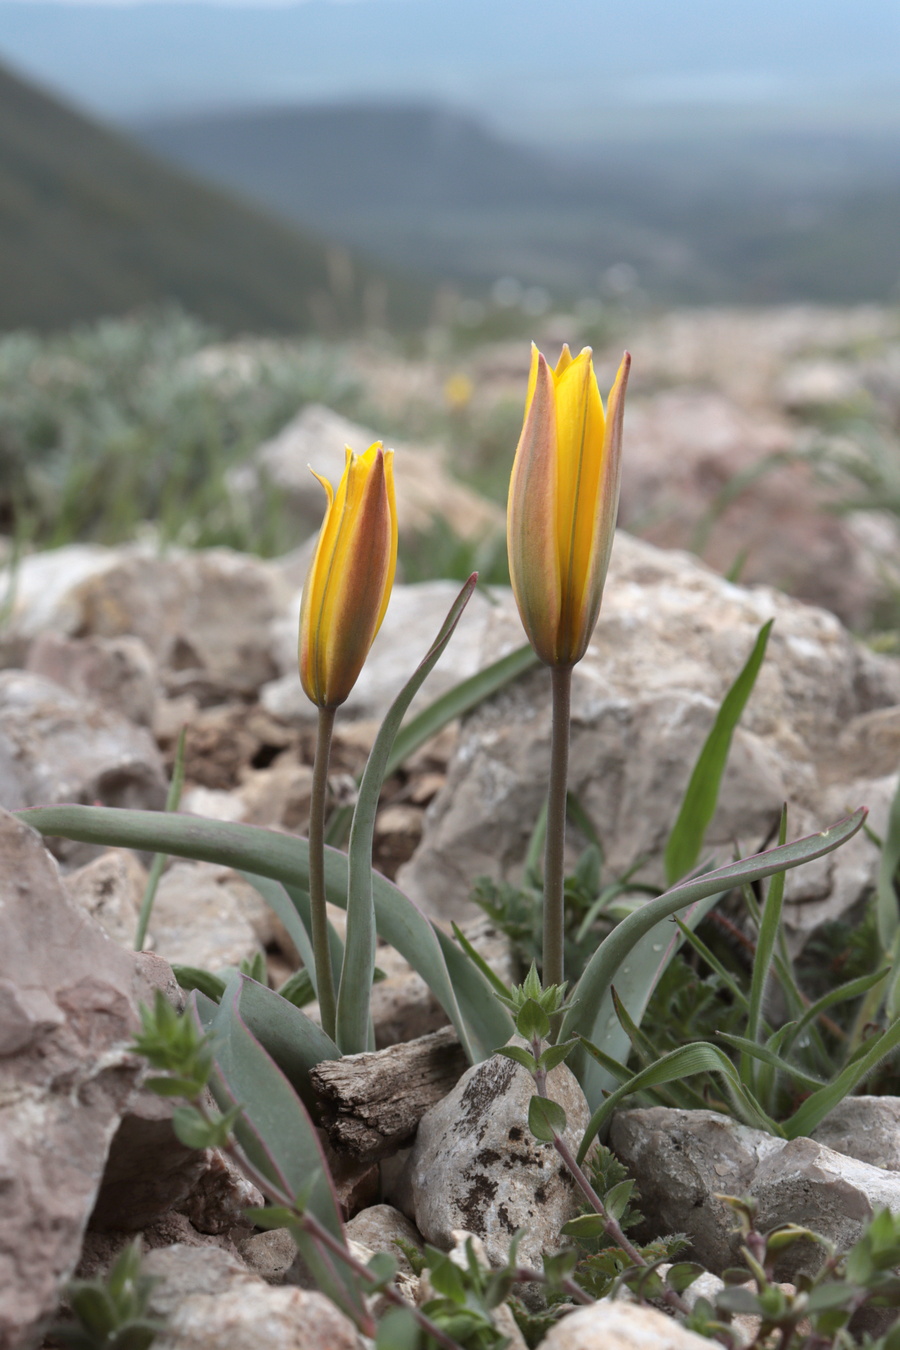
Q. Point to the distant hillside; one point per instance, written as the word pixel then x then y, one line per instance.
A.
pixel 720 216
pixel 92 224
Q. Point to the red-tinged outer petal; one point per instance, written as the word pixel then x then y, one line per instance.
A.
pixel 563 500
pixel 531 515
pixel 604 517
pixel 350 579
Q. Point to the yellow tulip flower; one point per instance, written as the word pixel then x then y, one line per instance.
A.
pixel 563 499
pixel 350 578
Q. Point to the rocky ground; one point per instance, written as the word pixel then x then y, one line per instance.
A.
pixel 107 653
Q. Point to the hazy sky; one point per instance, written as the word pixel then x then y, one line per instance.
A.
pixel 515 61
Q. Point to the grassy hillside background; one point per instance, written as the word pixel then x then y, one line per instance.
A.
pixel 90 224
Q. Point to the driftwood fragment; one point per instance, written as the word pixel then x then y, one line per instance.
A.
pixel 372 1103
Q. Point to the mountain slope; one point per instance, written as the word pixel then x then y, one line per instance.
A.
pixel 92 224
pixel 720 217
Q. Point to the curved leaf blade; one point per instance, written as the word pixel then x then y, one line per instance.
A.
pixel 699 1057
pixel 266 853
pixel 699 802
pixel 582 1019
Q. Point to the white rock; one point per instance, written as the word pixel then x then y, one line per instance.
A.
pixel 211 1301
pixel 378 1227
pixel 55 747
pixel 618 1325
pixel 414 617
pixel 867 1128
pixel 672 637
pixel 317 436
pixel 681 1160
pixel 202 917
pixel 476 1166
pixel 110 889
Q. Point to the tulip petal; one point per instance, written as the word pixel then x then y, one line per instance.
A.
pixel 581 431
pixel 604 524
pixel 531 516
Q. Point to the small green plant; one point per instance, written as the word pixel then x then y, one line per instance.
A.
pixel 818 1313
pixel 111 1313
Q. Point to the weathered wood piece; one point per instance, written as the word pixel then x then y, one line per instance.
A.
pixel 372 1103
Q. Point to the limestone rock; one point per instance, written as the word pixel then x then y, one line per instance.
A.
pixel 681 1159
pixel 68 998
pixel 317 436
pixel 148 1170
pixel 867 1128
pixel 379 1226
pixel 686 448
pixel 201 614
pixel 412 621
pixel 475 1164
pixel 220 1195
pixel 202 917
pixel 617 1325
pixel 120 673
pixel 54 747
pixel 829 1192
pixel 110 889
pixel 210 1300
pixel 672 637
pixel 269 1254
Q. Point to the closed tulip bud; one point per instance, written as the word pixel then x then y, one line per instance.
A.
pixel 563 499
pixel 349 581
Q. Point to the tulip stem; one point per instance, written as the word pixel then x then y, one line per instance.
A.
pixel 554 848
pixel 317 808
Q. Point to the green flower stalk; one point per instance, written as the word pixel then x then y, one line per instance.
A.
pixel 561 517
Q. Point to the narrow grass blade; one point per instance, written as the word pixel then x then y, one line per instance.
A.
pixel 643 1048
pixel 173 800
pixel 885 894
pixel 699 803
pixel 769 928
pixel 462 698
pixel 683 1063
pixel 636 978
pixel 816 1108
pixel 842 994
pixel 355 987
pixel 478 960
pixel 590 1014
pixel 765 1055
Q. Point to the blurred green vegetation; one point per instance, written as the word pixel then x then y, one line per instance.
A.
pixel 128 421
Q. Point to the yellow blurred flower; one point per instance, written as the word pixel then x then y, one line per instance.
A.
pixel 563 499
pixel 458 391
pixel 350 578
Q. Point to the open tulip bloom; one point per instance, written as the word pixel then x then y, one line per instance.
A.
pixel 344 601
pixel 561 518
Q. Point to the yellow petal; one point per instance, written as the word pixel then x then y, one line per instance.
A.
pixel 350 578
